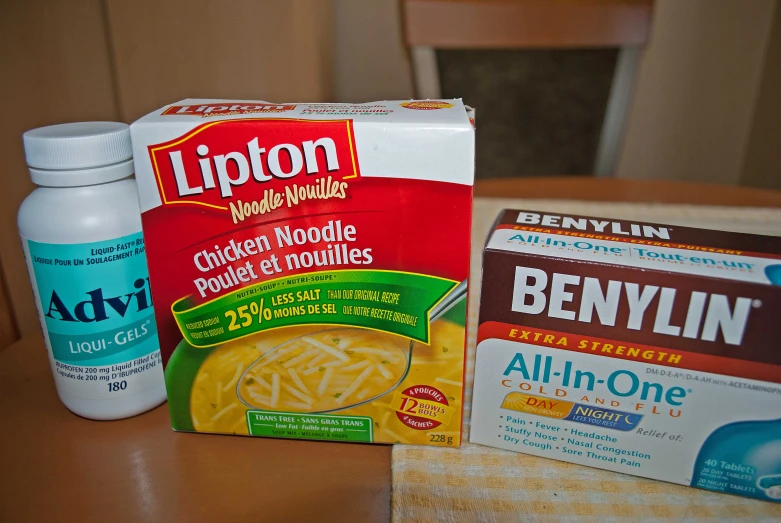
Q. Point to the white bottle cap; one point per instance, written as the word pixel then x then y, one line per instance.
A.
pixel 82 153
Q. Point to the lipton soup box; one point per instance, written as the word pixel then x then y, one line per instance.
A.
pixel 308 265
pixel 639 348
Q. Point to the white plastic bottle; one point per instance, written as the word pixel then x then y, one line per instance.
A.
pixel 81 233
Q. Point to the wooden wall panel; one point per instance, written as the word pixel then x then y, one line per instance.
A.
pixel 253 49
pixel 8 331
pixel 371 61
pixel 695 90
pixel 55 68
pixel 71 60
pixel 762 158
pixel 498 24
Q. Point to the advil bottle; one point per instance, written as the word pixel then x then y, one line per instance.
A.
pixel 81 234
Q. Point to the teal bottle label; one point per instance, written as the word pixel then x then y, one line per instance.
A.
pixel 95 302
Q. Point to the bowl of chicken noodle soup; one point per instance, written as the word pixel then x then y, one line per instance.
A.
pixel 326 371
pixel 299 369
pixel 366 366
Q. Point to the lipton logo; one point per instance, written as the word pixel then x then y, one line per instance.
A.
pixel 251 167
pixel 207 110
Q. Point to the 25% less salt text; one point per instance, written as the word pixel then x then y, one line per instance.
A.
pixel 246 315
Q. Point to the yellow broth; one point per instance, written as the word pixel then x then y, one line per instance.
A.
pixel 325 371
pixel 215 406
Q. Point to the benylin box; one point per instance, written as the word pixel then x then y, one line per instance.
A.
pixel 308 265
pixel 639 348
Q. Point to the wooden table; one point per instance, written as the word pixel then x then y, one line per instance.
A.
pixel 59 467
pixel 56 466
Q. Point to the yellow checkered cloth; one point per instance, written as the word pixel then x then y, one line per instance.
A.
pixel 483 484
